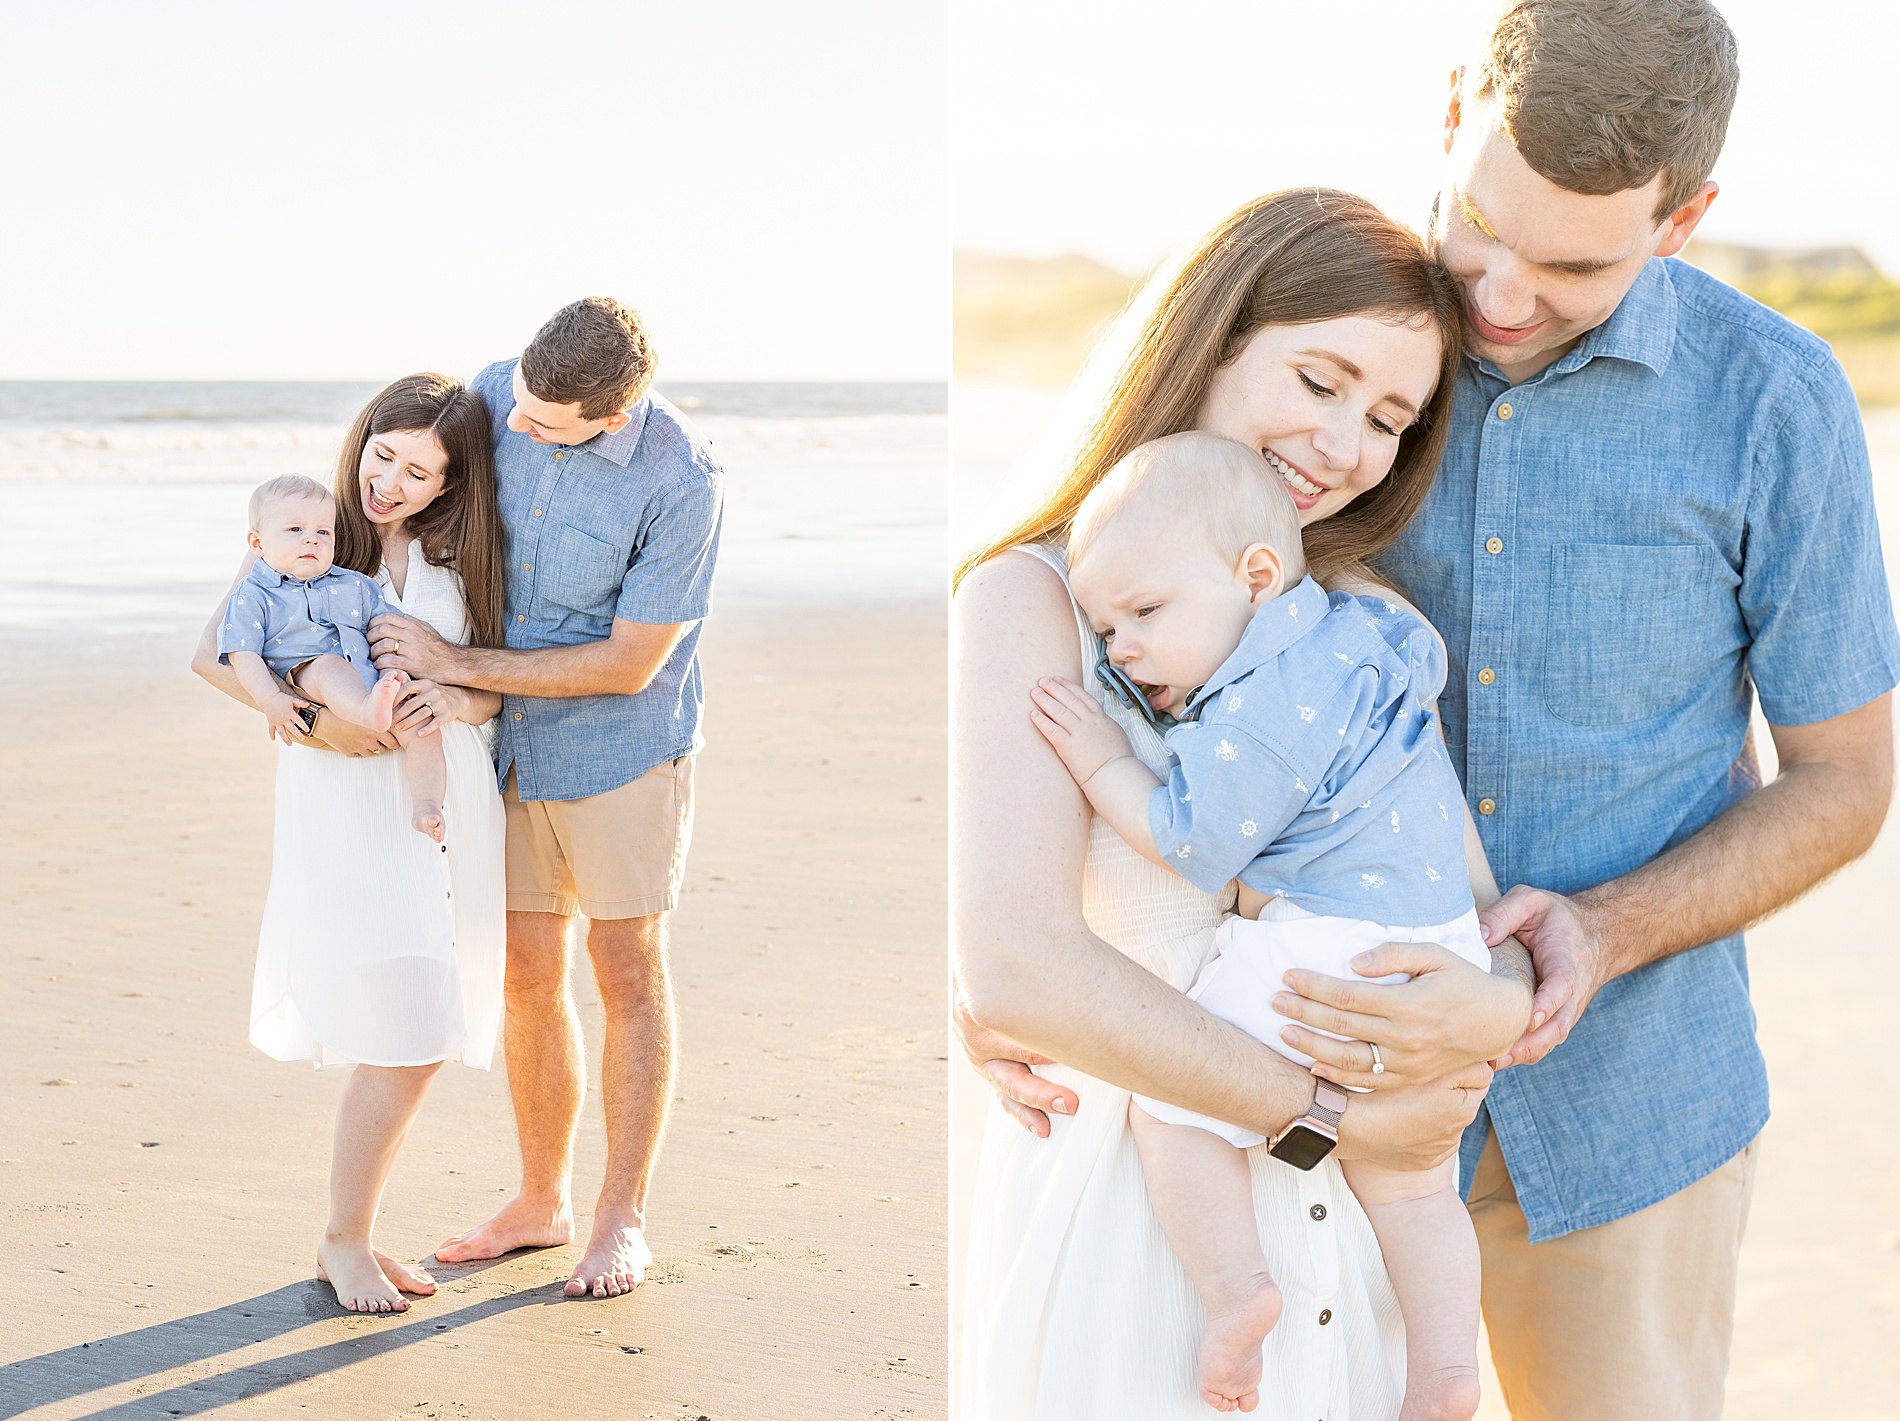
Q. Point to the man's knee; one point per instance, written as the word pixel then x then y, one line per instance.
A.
pixel 537 954
pixel 629 957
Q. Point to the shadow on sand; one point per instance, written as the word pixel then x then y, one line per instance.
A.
pixel 72 1372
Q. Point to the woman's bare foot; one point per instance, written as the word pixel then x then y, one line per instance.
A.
pixel 406 1279
pixel 615 1262
pixel 427 819
pixel 379 705
pixel 1440 1394
pixel 1237 1323
pixel 354 1271
pixel 522 1223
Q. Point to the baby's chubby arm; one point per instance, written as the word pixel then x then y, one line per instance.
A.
pixel 268 695
pixel 1098 757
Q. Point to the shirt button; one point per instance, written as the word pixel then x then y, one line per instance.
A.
pixel 560 456
pixel 1485 806
pixel 1504 411
pixel 527 567
pixel 521 616
pixel 518 717
pixel 537 513
pixel 1325 1316
pixel 1494 546
pixel 1318 1211
pixel 1487 676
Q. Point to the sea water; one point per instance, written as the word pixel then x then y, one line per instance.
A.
pixel 122 504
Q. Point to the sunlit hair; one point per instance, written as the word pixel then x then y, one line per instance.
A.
pixel 1200 481
pixel 1286 259
pixel 461 529
pixel 594 353
pixel 1599 96
pixel 281 488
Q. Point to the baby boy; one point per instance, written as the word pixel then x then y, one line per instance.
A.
pixel 297 616
pixel 1304 761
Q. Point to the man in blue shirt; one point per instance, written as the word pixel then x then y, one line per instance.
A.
pixel 1655 507
pixel 611 508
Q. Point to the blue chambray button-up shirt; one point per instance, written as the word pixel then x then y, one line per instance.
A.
pixel 1309 766
pixel 288 620
pixel 1617 551
pixel 625 525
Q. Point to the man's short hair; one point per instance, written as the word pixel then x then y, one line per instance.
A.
pixel 593 353
pixel 1599 96
pixel 281 488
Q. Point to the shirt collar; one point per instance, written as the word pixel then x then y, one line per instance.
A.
pixel 265 575
pixel 1274 628
pixel 618 447
pixel 1642 328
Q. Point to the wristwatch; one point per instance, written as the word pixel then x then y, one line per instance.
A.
pixel 1315 1134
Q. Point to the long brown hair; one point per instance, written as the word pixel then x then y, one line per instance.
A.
pixel 461 529
pixel 1289 258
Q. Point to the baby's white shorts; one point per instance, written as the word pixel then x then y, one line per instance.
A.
pixel 1251 955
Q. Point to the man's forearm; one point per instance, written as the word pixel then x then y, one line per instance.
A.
pixel 585 670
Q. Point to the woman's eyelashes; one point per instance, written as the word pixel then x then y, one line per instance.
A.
pixel 1326 393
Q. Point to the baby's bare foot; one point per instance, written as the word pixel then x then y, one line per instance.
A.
pixel 379 706
pixel 615 1262
pixel 360 1283
pixel 1230 1348
pixel 1440 1394
pixel 522 1223
pixel 427 819
pixel 406 1278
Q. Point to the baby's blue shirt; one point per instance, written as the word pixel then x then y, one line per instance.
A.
pixel 288 621
pixel 1309 766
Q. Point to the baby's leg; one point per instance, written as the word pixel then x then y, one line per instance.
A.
pixel 428 775
pixel 379 1105
pixel 1431 1255
pixel 1203 1195
pixel 334 681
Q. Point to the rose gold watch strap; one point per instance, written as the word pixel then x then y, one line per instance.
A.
pixel 1329 1101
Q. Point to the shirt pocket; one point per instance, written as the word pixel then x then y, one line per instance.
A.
pixel 1633 631
pixel 580 572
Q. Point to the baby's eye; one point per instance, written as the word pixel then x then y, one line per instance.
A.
pixel 1142 613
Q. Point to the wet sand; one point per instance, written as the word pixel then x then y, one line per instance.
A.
pixel 162 1184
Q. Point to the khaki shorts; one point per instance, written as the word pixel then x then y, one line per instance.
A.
pixel 621 854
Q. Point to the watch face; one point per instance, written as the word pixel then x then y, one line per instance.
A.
pixel 1302 1147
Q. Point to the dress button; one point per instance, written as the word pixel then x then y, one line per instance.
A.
pixel 1487 676
pixel 1318 1211
pixel 1504 411
pixel 1485 806
pixel 1494 546
pixel 1325 1316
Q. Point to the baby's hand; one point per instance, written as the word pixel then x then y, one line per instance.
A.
pixel 284 721
pixel 1076 727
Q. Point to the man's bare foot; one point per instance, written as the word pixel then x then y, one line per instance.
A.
pixel 615 1262
pixel 1440 1394
pixel 521 1224
pixel 360 1283
pixel 406 1279
pixel 1237 1324
pixel 427 819
pixel 379 706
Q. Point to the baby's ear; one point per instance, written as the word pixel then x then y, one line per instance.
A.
pixel 1266 577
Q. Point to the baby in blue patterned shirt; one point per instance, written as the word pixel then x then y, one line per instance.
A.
pixel 296 615
pixel 1305 762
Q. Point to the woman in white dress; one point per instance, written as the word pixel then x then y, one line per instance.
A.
pixel 381 950
pixel 1073 949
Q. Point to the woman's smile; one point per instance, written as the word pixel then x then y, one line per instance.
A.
pixel 1305 491
pixel 377 505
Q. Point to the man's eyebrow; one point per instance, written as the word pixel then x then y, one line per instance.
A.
pixel 1469 211
pixel 1356 373
pixel 1582 266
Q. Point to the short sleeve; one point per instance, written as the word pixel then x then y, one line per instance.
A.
pixel 670 578
pixel 1227 797
pixel 1814 588
pixel 245 626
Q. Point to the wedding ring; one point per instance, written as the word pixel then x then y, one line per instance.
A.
pixel 1378 1066
pixel 396 650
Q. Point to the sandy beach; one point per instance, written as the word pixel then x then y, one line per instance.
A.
pixel 1818 1306
pixel 162 1184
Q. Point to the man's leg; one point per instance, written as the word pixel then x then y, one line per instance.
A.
pixel 547 1079
pixel 636 1086
pixel 1629 1321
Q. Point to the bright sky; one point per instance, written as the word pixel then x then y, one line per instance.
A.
pixel 351 190
pixel 1122 129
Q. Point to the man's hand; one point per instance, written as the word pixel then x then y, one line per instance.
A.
pixel 404 643
pixel 282 720
pixel 1025 1095
pixel 1076 727
pixel 1568 952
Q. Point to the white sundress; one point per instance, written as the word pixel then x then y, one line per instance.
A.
pixel 377 947
pixel 1075 1307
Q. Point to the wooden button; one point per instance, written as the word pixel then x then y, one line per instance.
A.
pixel 1487 676
pixel 1325 1316
pixel 1504 411
pixel 1485 806
pixel 1493 546
pixel 518 717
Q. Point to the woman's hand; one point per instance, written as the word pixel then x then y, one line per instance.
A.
pixel 1025 1095
pixel 424 706
pixel 347 739
pixel 1449 1016
pixel 1415 1127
